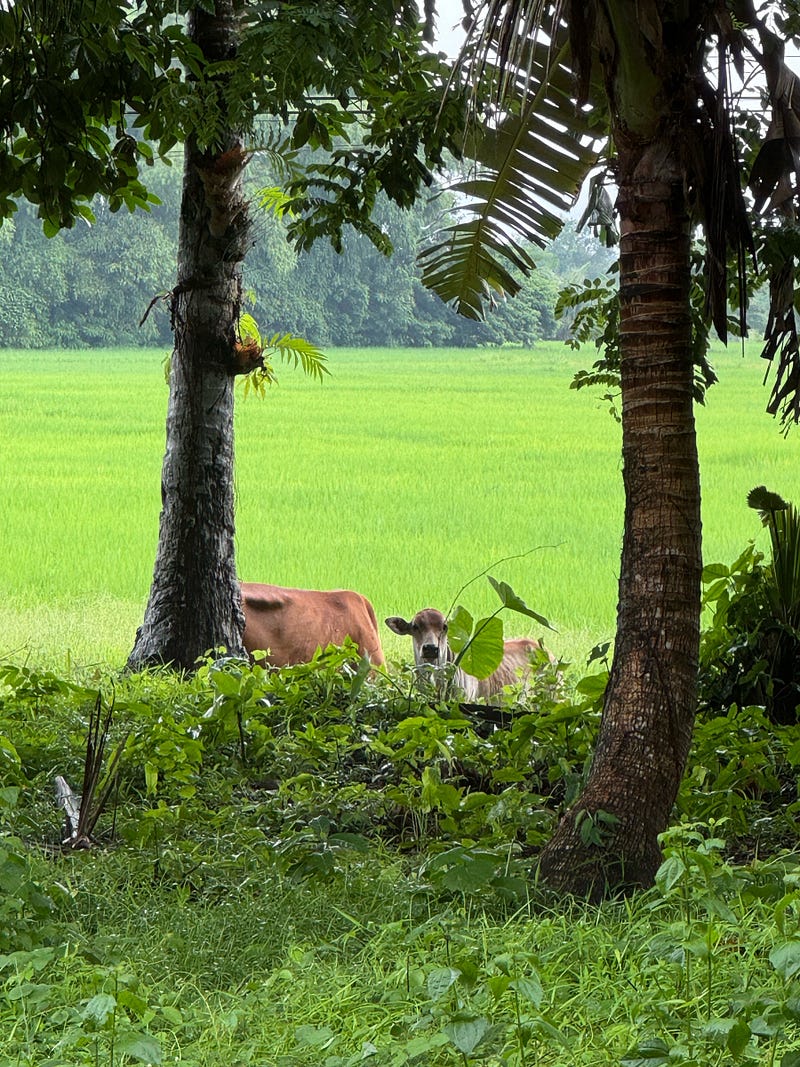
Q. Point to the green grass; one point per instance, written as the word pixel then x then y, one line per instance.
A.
pixel 360 890
pixel 404 475
pixel 303 975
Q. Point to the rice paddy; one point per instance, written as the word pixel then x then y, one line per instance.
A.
pixel 405 475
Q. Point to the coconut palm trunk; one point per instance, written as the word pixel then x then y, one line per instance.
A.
pixel 195 603
pixel 650 701
pixel 655 103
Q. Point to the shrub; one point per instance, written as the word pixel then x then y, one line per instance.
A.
pixel 750 654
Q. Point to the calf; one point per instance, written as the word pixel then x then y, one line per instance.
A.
pixel 428 632
pixel 291 624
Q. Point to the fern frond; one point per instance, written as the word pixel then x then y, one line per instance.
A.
pixel 300 352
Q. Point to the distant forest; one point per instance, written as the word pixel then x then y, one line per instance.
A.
pixel 92 285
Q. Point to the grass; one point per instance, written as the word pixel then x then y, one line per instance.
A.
pixel 296 977
pixel 195 936
pixel 405 475
pixel 224 924
pixel 360 889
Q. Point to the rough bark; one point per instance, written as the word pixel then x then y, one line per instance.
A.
pixel 649 707
pixel 195 602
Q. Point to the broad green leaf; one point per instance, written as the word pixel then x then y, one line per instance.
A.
pixel 100 1008
pixel 135 1004
pixel 142 1047
pixel 715 590
pixel 151 777
pixel 459 628
pixel 314 1036
pixel 786 959
pixel 440 980
pixel 738 1037
pixel 225 683
pixel 714 570
pixel 466 1033
pixel 510 600
pixel 734 1034
pixel 357 842
pixel 419 1046
pixel 483 654
pixel 647 1054
pixel 437 794
pixel 670 873
pixel 530 988
pixel 593 685
pixel 552 1032
pixel 470 874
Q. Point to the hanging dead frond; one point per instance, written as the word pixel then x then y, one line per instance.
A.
pixel 775 184
pixel 721 205
pixel 599 212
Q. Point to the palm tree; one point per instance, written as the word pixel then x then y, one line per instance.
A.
pixel 651 109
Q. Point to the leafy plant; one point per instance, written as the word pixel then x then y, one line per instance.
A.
pixel 479 645
pixel 750 654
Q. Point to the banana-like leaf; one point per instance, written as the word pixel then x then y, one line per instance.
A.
pixel 514 602
pixel 483 654
pixel 529 168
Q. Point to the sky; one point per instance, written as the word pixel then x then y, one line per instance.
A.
pixel 449 33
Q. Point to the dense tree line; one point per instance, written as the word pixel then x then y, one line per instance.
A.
pixel 91 285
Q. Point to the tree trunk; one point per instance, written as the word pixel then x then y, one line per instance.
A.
pixel 649 707
pixel 195 602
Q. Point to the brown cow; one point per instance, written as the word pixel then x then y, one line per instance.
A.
pixel 291 624
pixel 428 632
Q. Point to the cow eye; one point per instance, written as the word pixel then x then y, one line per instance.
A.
pixel 444 628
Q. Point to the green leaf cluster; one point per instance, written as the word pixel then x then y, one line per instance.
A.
pixel 750 652
pixel 478 646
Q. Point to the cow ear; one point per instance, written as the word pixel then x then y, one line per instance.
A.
pixel 398 625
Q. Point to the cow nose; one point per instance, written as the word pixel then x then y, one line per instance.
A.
pixel 430 653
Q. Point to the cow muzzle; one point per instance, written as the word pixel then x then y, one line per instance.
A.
pixel 429 654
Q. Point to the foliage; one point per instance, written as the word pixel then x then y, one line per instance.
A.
pixel 592 308
pixel 92 285
pixel 65 138
pixel 528 161
pixel 751 651
pixel 106 62
pixel 257 352
pixel 478 644
pixel 379 855
pixel 542 64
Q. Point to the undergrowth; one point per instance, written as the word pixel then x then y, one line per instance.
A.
pixel 315 867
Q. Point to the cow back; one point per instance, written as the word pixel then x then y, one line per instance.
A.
pixel 291 624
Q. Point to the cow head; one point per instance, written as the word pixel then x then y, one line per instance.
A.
pixel 428 632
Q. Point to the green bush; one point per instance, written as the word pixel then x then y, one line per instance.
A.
pixel 750 654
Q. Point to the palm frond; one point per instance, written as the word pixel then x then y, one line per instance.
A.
pixel 298 351
pixel 529 168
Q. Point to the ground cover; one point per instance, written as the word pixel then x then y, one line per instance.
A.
pixel 297 870
pixel 404 475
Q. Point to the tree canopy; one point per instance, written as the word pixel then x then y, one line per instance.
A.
pixel 92 284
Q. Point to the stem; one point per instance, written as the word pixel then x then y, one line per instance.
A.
pixel 522 1058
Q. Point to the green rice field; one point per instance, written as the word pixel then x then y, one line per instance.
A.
pixel 404 475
